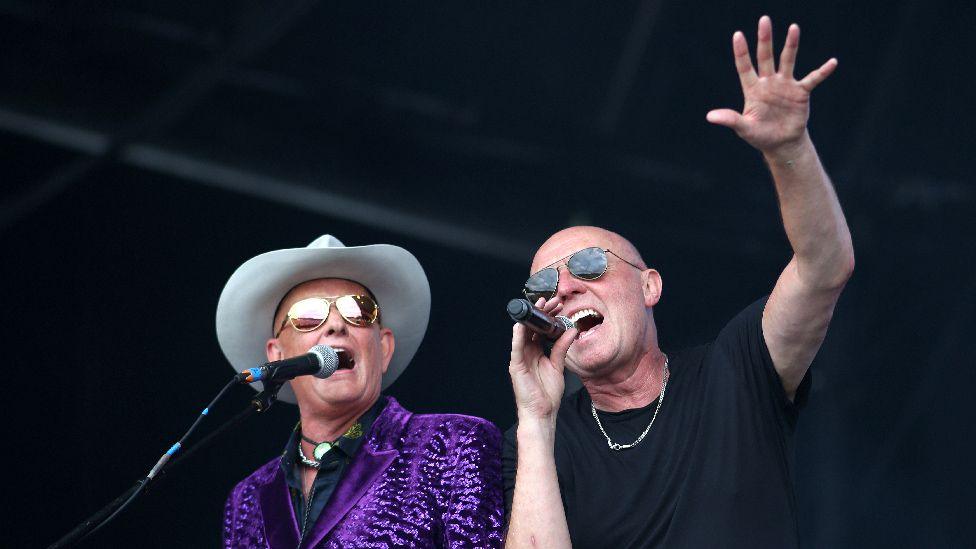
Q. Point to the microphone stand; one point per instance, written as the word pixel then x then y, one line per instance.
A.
pixel 261 402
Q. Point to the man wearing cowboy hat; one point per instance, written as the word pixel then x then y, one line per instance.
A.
pixel 358 469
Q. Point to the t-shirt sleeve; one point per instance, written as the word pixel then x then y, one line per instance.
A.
pixel 743 344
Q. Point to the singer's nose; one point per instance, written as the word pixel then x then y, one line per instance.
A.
pixel 568 286
pixel 334 325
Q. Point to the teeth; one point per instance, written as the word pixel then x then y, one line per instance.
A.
pixel 583 313
pixel 346 361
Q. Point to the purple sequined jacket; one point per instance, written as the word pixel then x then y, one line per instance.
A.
pixel 430 480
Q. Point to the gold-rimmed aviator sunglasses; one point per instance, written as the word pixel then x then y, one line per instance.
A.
pixel 306 315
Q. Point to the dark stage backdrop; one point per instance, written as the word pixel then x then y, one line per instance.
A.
pixel 150 148
pixel 111 353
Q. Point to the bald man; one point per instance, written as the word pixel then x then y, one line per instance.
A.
pixel 685 448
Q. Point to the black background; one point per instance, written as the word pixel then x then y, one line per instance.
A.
pixel 150 148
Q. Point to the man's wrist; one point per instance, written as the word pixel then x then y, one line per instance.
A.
pixel 533 430
pixel 789 153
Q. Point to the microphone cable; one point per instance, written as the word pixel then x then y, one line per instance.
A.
pixel 142 483
pixel 327 360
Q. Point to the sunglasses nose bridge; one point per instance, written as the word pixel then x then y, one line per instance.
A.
pixel 334 323
pixel 567 284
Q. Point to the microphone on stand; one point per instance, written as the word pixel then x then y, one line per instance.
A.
pixel 321 361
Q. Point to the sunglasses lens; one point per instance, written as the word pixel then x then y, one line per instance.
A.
pixel 541 284
pixel 308 314
pixel 588 264
pixel 359 310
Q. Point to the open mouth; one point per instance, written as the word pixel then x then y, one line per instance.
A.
pixel 346 361
pixel 586 320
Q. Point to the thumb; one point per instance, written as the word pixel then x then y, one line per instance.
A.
pixel 724 117
pixel 561 347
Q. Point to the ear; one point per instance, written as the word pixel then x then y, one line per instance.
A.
pixel 652 285
pixel 273 350
pixel 387 346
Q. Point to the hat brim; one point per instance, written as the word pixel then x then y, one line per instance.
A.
pixel 246 308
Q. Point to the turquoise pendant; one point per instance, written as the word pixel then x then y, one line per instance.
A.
pixel 321 450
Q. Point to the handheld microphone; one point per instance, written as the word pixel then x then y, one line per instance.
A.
pixel 321 361
pixel 523 312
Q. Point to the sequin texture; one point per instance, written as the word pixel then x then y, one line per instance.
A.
pixel 424 480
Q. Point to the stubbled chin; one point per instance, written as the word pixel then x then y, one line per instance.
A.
pixel 340 389
pixel 586 349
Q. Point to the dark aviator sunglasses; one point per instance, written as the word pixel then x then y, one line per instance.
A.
pixel 586 264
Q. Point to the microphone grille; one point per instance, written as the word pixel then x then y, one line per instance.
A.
pixel 327 358
pixel 567 323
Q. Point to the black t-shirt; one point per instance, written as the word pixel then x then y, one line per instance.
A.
pixel 714 470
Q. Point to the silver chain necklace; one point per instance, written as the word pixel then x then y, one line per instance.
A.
pixel 615 446
pixel 313 463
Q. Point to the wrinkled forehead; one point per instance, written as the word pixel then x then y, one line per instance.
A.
pixel 320 287
pixel 551 252
pixel 569 241
pixel 326 287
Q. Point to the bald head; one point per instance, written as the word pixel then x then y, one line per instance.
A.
pixel 620 335
pixel 572 239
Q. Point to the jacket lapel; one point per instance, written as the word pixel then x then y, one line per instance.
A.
pixel 371 461
pixel 280 525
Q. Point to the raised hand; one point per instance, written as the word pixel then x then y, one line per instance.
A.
pixel 777 105
pixel 537 380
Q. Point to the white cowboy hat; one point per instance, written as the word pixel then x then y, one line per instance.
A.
pixel 247 305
